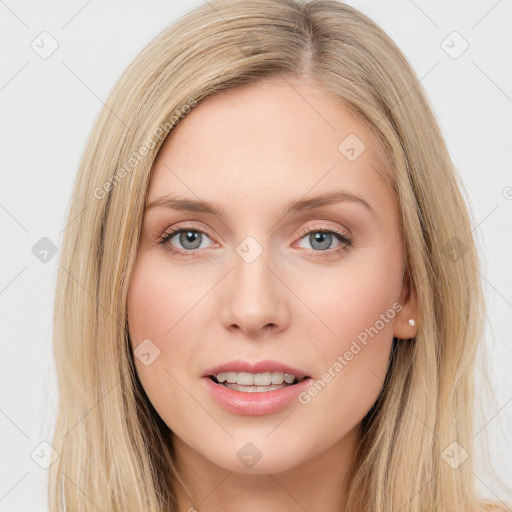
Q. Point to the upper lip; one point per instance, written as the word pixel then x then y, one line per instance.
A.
pixel 267 365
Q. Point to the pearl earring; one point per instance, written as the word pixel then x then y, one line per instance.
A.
pixel 411 321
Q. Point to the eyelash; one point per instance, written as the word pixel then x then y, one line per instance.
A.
pixel 344 239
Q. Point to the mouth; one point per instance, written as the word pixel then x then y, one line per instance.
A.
pixel 255 388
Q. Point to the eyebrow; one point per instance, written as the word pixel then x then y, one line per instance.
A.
pixel 295 206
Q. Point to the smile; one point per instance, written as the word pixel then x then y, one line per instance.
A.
pixel 247 382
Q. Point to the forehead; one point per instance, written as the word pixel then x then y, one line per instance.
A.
pixel 276 138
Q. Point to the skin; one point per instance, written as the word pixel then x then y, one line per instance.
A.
pixel 252 151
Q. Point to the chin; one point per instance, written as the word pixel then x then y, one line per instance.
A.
pixel 258 456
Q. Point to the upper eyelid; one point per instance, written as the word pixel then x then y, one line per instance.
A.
pixel 176 229
pixel 324 226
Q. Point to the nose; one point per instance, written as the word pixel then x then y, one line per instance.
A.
pixel 254 297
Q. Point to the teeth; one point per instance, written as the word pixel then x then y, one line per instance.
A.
pixel 256 379
pixel 263 379
pixel 255 389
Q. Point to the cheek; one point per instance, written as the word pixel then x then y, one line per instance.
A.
pixel 358 302
pixel 358 305
pixel 146 304
pixel 162 308
pixel 157 300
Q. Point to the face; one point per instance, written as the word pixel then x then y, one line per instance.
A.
pixel 268 280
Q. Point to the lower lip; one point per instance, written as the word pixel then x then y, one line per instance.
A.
pixel 257 403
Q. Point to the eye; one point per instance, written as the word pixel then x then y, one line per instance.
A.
pixel 321 238
pixel 189 237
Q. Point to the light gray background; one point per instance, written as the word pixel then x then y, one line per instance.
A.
pixel 48 105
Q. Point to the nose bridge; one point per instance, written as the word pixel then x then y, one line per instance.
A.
pixel 251 275
pixel 253 299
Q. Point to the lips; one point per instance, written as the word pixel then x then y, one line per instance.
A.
pixel 257 403
pixel 264 366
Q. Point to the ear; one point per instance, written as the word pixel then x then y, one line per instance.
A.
pixel 402 329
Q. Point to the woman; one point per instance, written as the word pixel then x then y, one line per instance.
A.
pixel 271 300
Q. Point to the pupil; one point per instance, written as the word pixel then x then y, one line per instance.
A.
pixel 322 238
pixel 189 237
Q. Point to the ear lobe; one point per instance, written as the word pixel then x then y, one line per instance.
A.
pixel 402 328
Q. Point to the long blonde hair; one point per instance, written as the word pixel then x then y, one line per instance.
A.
pixel 114 450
